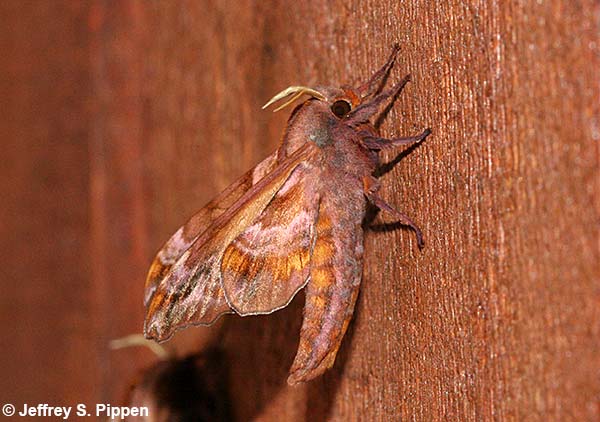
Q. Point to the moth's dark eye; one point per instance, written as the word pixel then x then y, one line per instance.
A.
pixel 340 108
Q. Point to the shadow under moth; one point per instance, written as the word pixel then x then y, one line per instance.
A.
pixel 291 223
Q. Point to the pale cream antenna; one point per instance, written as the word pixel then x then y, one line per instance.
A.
pixel 298 91
pixel 139 340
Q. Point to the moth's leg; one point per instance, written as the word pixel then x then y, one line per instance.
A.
pixel 376 143
pixel 373 84
pixel 370 188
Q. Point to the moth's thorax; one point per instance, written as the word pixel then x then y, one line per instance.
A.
pixel 340 145
pixel 309 122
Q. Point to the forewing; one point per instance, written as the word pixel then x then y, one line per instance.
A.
pixel 266 265
pixel 190 292
pixel 187 234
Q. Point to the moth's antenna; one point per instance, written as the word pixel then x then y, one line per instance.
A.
pixel 297 92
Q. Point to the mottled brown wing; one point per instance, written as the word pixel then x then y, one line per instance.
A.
pixel 190 293
pixel 267 264
pixel 187 234
pixel 335 275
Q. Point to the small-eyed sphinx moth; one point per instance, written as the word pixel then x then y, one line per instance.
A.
pixel 292 222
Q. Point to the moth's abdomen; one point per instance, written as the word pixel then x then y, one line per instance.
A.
pixel 335 274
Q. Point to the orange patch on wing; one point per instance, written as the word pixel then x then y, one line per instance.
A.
pixel 154 273
pixel 296 261
pixel 279 267
pixel 157 301
pixel 235 260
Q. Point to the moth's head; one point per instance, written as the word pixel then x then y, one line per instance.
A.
pixel 344 102
pixel 339 102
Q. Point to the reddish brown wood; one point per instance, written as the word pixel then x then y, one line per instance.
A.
pixel 45 292
pixel 117 201
pixel 125 117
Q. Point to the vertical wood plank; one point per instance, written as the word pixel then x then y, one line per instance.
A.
pixel 125 117
pixel 45 300
pixel 117 197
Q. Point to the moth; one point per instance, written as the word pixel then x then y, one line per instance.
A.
pixel 293 222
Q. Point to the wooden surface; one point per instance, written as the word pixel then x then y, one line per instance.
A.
pixel 122 118
pixel 45 294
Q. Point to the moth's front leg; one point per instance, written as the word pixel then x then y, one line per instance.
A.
pixel 370 188
pixel 375 143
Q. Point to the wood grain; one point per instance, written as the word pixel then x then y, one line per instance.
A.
pixel 45 300
pixel 498 318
